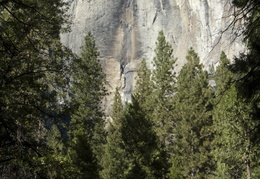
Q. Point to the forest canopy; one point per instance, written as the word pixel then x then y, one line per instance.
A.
pixel 52 124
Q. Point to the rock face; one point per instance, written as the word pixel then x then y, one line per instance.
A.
pixel 126 32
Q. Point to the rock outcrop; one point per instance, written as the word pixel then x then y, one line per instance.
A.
pixel 126 32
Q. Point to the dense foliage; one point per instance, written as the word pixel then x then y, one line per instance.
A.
pixel 52 123
pixel 192 120
pixel 163 85
pixel 33 82
pixel 235 153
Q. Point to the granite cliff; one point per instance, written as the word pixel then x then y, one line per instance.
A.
pixel 126 32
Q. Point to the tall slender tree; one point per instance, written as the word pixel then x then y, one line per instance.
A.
pixel 143 90
pixel 247 65
pixel 163 77
pixel 148 157
pixel 88 91
pixel 234 151
pixel 133 149
pixel 193 120
pixel 114 162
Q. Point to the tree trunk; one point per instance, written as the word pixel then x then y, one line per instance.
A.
pixel 248 169
pixel 247 160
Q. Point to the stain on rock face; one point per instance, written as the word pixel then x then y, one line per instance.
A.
pixel 126 32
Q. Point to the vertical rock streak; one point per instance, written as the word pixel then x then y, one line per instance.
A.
pixel 126 31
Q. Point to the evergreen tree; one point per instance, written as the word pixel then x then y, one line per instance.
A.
pixel 133 149
pixel 117 111
pixel 80 155
pixel 144 151
pixel 87 124
pixel 33 79
pixel 114 162
pixel 59 165
pixel 163 77
pixel 143 91
pixel 234 151
pixel 247 66
pixel 193 121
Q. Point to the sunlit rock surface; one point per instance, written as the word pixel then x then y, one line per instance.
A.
pixel 126 32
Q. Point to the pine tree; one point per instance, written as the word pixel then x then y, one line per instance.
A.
pixel 33 79
pixel 59 165
pixel 247 66
pixel 88 91
pixel 193 120
pixel 133 149
pixel 83 160
pixel 145 152
pixel 163 77
pixel 234 151
pixel 114 162
pixel 143 91
pixel 117 111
